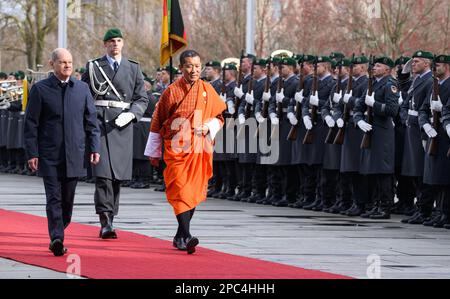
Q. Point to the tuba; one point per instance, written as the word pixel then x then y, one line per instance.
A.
pixel 229 60
pixel 282 54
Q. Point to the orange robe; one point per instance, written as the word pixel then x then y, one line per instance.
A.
pixel 188 157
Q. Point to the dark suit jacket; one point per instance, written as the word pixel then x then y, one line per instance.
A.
pixel 57 130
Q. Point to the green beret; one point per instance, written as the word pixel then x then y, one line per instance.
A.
pixel 275 60
pixel 213 63
pixel 178 72
pixel 385 60
pixel 230 67
pixel 442 59
pixel 249 56
pixel 151 80
pixel 402 60
pixel 112 33
pixel 345 62
pixel 167 69
pixel 309 58
pixel 360 60
pixel 298 57
pixel 3 75
pixel 261 62
pixel 160 69
pixel 336 55
pixel 288 61
pixel 334 64
pixel 20 75
pixel 323 59
pixel 423 54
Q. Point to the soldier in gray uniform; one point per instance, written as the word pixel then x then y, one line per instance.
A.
pixel 437 165
pixel 354 185
pixel 3 125
pixel 418 90
pixel 377 161
pixel 117 86
pixel 313 153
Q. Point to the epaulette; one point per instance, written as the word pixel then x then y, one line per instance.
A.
pixel 133 61
pixel 393 81
pixel 98 58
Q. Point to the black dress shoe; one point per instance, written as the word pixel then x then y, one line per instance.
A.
pixel 356 211
pixel 441 222
pixel 418 218
pixel 281 203
pixel 382 214
pixel 107 231
pixel 312 205
pixel 254 198
pixel 57 247
pixel 432 221
pixel 319 207
pixel 447 226
pixel 191 242
pixel 179 243
pixel 298 204
pixel 409 210
pixel 373 211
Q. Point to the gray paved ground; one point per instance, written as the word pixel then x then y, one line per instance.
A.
pixel 296 237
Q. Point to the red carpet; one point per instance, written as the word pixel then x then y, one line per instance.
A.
pixel 24 238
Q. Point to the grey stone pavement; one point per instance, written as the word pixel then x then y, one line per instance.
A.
pixel 312 240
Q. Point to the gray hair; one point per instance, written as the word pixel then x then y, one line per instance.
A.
pixel 55 53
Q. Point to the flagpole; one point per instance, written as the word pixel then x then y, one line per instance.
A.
pixel 170 63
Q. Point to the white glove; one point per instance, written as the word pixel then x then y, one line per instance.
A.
pixel 241 119
pixel 280 96
pixel 330 121
pixel 370 100
pixel 365 127
pixel 274 119
pixel 307 122
pixel 223 97
pixel 238 92
pixel 314 100
pixel 259 117
pixel 400 100
pixel 230 105
pixel 124 119
pixel 436 105
pixel 347 96
pixel 448 130
pixel 337 97
pixel 249 98
pixel 299 96
pixel 266 96
pixel 429 130
pixel 292 119
pixel 340 123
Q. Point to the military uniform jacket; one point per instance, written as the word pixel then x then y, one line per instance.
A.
pixel 116 153
pixel 413 152
pixel 14 136
pixel 225 141
pixel 379 159
pixel 312 154
pixel 141 129
pixel 351 148
pixel 437 168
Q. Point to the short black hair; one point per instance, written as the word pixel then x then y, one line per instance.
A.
pixel 186 54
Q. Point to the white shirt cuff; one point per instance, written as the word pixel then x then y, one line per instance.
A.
pixel 154 145
pixel 214 127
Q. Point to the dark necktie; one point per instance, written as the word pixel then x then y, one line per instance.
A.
pixel 116 66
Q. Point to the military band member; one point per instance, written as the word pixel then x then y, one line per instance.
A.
pixel 377 161
pixel 437 165
pixel 417 89
pixel 117 86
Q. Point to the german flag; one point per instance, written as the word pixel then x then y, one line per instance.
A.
pixel 173 38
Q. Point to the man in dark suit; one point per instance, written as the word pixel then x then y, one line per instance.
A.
pixel 117 85
pixel 60 123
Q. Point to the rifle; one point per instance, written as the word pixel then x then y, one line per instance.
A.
pixel 248 107
pixel 237 100
pixel 265 107
pixel 223 88
pixel 332 131
pixel 298 107
pixel 339 140
pixel 367 138
pixel 433 148
pixel 309 136
pixel 280 87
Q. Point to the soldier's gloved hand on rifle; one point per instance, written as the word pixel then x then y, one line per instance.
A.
pixel 223 97
pixel 238 92
pixel 429 130
pixel 448 130
pixel 274 119
pixel 292 119
pixel 337 97
pixel 299 96
pixel 400 100
pixel 330 121
pixel 370 100
pixel 259 117
pixel 230 106
pixel 340 123
pixel 241 119
pixel 436 105
pixel 124 118
pixel 347 96
pixel 249 98
pixel 280 96
pixel 314 99
pixel 266 96
pixel 365 127
pixel 307 122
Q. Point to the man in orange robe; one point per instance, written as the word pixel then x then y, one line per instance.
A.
pixel 185 122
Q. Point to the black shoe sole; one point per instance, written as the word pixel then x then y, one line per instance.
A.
pixel 58 249
pixel 109 235
pixel 190 246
